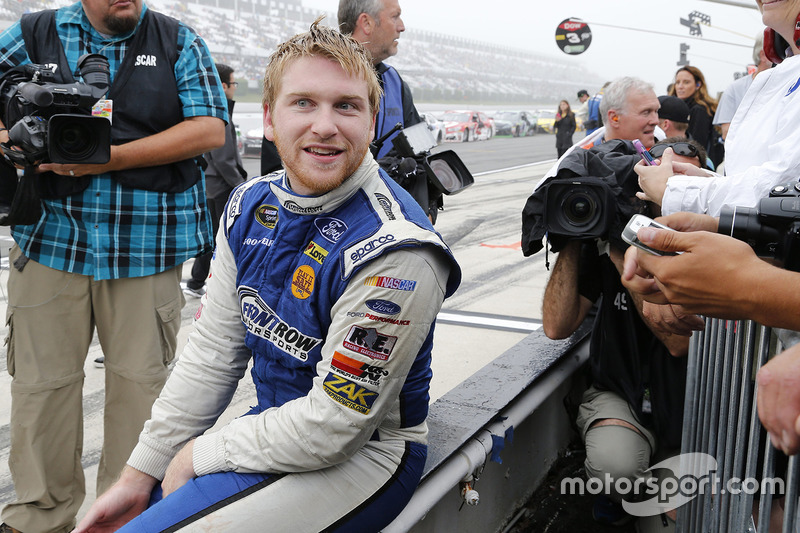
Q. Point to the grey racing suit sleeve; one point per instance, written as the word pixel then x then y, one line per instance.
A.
pixel 310 432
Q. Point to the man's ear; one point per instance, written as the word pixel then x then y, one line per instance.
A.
pixel 364 25
pixel 269 130
pixel 613 118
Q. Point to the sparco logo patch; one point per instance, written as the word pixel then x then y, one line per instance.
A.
pixel 316 252
pixel 303 282
pixel 331 228
pixel 294 207
pixel 349 394
pixel 386 282
pixel 262 322
pixel 386 204
pixel 267 215
pixel 385 307
pixel 371 246
pixel 355 369
pixel 370 342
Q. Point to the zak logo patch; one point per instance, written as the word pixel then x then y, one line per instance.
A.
pixel 349 394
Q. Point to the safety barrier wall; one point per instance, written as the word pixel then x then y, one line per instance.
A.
pixel 721 420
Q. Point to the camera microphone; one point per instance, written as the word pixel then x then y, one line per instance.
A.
pixel 35 94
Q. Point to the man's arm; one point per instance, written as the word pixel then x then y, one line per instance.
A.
pixel 315 431
pixel 779 399
pixel 563 308
pixel 188 139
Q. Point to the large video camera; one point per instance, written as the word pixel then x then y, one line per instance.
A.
pixel 580 208
pixel 52 122
pixel 424 175
pixel 772 229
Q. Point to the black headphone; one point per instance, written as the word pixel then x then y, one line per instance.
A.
pixel 775 46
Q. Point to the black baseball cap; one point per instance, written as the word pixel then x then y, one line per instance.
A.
pixel 673 108
pixel 582 92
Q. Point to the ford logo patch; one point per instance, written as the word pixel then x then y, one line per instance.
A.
pixel 385 307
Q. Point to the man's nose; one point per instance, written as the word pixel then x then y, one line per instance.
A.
pixel 400 26
pixel 324 123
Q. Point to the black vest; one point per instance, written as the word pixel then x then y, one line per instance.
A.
pixel 144 93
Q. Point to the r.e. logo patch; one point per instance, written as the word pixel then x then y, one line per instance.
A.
pixel 369 342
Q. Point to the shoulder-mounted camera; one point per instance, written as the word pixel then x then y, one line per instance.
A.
pixel 52 122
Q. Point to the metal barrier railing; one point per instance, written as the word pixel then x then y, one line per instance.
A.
pixel 720 419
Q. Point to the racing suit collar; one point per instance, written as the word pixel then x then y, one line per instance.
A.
pixel 314 205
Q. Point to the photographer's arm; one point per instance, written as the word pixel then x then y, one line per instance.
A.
pixel 190 138
pixel 564 308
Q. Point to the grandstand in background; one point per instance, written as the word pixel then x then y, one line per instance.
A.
pixel 437 67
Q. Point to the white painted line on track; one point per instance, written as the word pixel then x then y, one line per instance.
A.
pixel 483 320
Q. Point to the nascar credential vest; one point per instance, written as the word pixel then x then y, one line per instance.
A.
pixel 391 108
pixel 295 256
pixel 145 76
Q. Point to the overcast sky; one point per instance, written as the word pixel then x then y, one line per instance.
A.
pixel 628 36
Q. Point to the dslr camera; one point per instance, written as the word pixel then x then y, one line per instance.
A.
pixel 579 208
pixel 52 122
pixel 772 229
pixel 424 175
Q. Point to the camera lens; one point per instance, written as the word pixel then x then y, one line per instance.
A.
pixel 74 141
pixel 579 208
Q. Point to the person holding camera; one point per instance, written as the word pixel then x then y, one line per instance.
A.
pixel 107 251
pixel 328 277
pixel 634 406
pixel 377 25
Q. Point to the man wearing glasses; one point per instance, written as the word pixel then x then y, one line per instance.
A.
pixel 225 171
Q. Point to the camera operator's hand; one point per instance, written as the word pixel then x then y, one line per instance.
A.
pixel 671 319
pixel 653 179
pixel 70 170
pixel 779 399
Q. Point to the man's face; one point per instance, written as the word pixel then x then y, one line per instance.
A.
pixel 229 87
pixel 113 17
pixel 321 124
pixel 388 27
pixel 637 121
pixel 583 98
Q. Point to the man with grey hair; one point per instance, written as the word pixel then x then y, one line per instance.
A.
pixel 630 111
pixel 377 25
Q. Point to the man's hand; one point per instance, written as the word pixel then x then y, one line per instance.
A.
pixel 715 275
pixel 653 179
pixel 779 399
pixel 180 470
pixel 124 501
pixel 671 319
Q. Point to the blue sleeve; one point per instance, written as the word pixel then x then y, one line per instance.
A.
pixel 199 86
pixel 12 48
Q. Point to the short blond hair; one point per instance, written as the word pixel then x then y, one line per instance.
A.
pixel 326 42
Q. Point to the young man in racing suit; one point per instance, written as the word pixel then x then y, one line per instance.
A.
pixel 329 276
